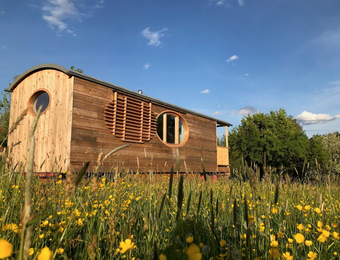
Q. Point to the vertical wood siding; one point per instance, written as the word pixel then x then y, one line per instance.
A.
pixel 53 133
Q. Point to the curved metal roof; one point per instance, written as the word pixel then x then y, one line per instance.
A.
pixel 109 85
pixel 33 70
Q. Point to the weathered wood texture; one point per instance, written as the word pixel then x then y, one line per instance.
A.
pixel 222 156
pixel 53 133
pixel 91 136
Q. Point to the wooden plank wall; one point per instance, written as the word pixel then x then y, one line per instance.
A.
pixel 53 133
pixel 90 137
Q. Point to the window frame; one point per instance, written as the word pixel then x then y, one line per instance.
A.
pixel 178 118
pixel 33 98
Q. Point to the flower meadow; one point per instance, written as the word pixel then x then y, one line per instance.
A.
pixel 170 216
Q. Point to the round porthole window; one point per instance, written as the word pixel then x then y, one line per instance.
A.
pixel 172 129
pixel 39 98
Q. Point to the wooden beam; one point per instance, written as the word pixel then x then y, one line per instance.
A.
pixel 164 128
pixel 176 129
pixel 125 107
pixel 141 122
pixel 114 112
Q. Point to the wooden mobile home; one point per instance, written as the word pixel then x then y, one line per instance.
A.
pixel 83 117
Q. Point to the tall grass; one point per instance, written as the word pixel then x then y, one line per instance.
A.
pixel 240 218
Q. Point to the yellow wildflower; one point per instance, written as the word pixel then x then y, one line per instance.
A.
pixel 31 251
pixel 190 239
pixel 335 235
pixel 274 210
pixel 312 255
pixel 193 252
pixel 308 243
pixel 60 251
pixel 280 234
pixel 251 219
pixel 223 243
pixel 317 210
pixel 125 246
pixel 290 241
pixel 274 243
pixel 300 227
pixel 299 238
pixel 45 254
pixel 287 256
pixel 299 207
pixel 325 233
pixel 5 248
pixel 162 257
pixel 262 227
pixel 322 238
pixel 274 252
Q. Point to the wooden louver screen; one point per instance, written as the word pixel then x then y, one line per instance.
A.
pixel 130 119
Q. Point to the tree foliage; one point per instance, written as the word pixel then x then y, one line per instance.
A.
pixel 274 139
pixel 331 145
pixel 77 70
pixel 5 107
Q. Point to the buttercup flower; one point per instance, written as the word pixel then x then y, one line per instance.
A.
pixel 162 257
pixel 125 246
pixel 190 239
pixel 45 254
pixel 194 253
pixel 274 244
pixel 299 238
pixel 308 243
pixel 222 243
pixel 287 256
pixel 274 252
pixel 5 248
pixel 312 255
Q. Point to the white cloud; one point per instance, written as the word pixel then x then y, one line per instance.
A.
pixel 146 66
pixel 217 113
pixel 3 47
pixel 71 32
pixel 57 11
pixel 232 58
pixel 308 118
pixel 246 74
pixel 206 91
pixel 247 110
pixel 153 37
pixel 2 12
pixel 220 2
pixel 241 2
pixel 329 38
pixel 100 4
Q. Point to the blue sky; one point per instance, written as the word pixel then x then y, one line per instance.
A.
pixel 223 58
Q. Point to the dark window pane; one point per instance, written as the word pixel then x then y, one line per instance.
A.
pixel 181 132
pixel 160 126
pixel 42 99
pixel 170 135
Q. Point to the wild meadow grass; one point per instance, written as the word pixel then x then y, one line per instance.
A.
pixel 171 216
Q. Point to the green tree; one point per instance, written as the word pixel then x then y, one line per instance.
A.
pixel 275 136
pixel 5 106
pixel 331 144
pixel 77 70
